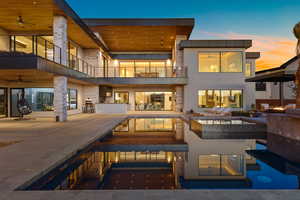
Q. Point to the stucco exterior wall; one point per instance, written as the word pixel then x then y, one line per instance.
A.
pixel 202 80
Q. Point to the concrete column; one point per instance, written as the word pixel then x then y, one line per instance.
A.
pixel 4 40
pixel 60 97
pixel 60 39
pixel 94 58
pixel 179 99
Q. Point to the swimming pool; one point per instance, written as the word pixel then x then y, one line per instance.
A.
pixel 163 153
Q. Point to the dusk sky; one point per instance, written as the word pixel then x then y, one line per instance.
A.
pixel 268 22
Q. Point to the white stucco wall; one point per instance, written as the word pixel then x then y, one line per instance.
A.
pixel 202 80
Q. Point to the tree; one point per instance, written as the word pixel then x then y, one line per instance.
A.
pixel 297 35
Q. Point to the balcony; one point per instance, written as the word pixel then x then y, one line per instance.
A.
pixel 114 76
pixel 38 53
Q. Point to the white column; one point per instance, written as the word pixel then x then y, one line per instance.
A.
pixel 60 39
pixel 179 99
pixel 60 97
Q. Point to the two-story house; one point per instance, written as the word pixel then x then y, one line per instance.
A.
pixel 57 61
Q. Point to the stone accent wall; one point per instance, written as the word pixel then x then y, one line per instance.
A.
pixel 60 39
pixel 60 97
pixel 91 92
pixel 94 57
pixel 179 99
pixel 179 134
pixel 179 62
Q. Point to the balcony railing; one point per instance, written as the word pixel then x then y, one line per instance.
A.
pixel 41 47
pixel 131 72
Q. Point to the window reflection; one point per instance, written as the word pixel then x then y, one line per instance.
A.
pixel 154 124
pixel 221 165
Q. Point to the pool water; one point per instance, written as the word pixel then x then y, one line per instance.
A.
pixel 163 153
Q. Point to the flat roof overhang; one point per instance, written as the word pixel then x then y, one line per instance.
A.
pixel 34 68
pixel 273 76
pixel 215 44
pixel 136 82
pixel 137 35
pixel 38 18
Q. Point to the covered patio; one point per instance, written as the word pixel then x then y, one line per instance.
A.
pixel 282 74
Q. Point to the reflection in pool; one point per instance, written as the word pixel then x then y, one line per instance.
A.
pixel 163 153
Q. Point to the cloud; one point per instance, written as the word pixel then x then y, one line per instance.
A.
pixel 274 50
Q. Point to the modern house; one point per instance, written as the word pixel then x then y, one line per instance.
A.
pixel 58 61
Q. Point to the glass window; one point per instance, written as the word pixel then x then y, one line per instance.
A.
pixel 142 69
pixel 122 97
pixel 220 98
pixel 72 99
pixel 209 62
pixel 231 62
pixel 209 98
pixel 23 43
pixel 153 101
pixel 41 47
pixel 126 69
pixel 40 99
pixel 248 72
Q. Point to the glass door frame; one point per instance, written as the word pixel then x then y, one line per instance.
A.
pixel 11 104
pixel 5 102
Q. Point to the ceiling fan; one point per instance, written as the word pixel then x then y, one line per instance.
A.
pixel 22 23
pixel 19 80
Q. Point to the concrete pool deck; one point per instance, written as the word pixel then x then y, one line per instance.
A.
pixel 34 146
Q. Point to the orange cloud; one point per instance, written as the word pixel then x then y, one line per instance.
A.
pixel 274 50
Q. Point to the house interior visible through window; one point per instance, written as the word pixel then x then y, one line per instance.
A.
pixel 220 62
pixel 122 97
pixel 220 98
pixel 145 69
pixel 153 101
pixel 248 72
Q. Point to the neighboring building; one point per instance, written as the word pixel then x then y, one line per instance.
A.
pixel 58 61
pixel 276 86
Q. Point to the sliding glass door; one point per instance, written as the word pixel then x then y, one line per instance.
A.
pixel 3 102
pixel 153 101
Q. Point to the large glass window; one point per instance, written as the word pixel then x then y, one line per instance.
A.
pixel 40 99
pixel 221 165
pixel 23 43
pixel 122 97
pixel 145 69
pixel 72 99
pixel 220 62
pixel 220 98
pixel 153 101
pixel 209 62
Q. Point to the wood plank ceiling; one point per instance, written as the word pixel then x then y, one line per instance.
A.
pixel 38 19
pixel 139 38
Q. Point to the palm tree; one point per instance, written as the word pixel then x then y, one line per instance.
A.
pixel 297 35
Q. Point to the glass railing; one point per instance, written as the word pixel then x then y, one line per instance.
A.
pixel 131 72
pixel 37 45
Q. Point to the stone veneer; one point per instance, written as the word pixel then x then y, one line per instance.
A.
pixel 60 97
pixel 179 99
pixel 60 39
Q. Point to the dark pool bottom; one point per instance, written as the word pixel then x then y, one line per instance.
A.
pixel 160 154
